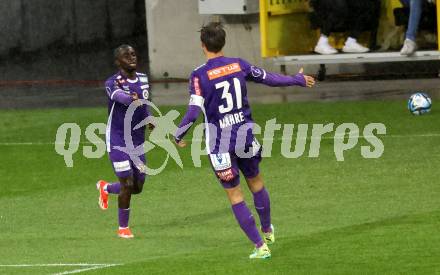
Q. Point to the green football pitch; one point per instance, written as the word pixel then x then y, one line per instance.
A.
pixel 358 216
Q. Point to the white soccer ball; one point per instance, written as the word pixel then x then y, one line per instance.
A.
pixel 419 104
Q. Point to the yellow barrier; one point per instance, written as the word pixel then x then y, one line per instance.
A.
pixel 438 24
pixel 286 30
pixel 285 27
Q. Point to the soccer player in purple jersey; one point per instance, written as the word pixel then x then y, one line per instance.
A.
pixel 124 88
pixel 218 89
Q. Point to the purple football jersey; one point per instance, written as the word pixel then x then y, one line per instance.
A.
pixel 219 89
pixel 119 89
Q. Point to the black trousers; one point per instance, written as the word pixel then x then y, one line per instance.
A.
pixel 352 16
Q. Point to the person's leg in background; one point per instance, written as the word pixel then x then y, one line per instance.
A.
pixel 329 12
pixel 415 13
pixel 358 15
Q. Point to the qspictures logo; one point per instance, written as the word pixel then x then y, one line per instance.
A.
pixel 345 137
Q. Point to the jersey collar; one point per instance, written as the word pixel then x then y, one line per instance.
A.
pixel 129 80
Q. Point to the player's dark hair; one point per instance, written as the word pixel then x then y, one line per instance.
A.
pixel 213 36
pixel 118 50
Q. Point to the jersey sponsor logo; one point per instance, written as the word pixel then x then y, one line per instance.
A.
pixel 126 88
pixel 224 71
pixel 197 89
pixel 122 166
pixel 226 175
pixel 221 162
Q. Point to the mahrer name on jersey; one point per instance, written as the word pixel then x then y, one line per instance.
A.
pixel 231 119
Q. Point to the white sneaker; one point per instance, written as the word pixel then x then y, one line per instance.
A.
pixel 325 48
pixel 409 47
pixel 352 46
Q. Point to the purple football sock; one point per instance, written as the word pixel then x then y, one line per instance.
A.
pixel 247 222
pixel 114 188
pixel 262 205
pixel 124 215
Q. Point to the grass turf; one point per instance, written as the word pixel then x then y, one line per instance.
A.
pixel 357 216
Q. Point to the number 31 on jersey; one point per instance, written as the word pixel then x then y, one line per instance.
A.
pixel 228 95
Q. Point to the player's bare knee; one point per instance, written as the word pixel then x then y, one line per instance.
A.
pixel 234 194
pixel 127 184
pixel 255 184
pixel 138 187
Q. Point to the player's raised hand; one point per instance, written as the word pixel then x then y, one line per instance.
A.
pixel 134 96
pixel 310 81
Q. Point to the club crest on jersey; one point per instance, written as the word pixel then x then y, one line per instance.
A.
pixel 127 88
pixel 256 72
pixel 143 79
pixel 145 94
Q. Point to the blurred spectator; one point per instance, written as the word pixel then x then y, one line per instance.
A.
pixel 415 12
pixel 415 7
pixel 350 16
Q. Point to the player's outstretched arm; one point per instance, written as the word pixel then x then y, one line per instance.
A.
pixel 279 80
pixel 260 75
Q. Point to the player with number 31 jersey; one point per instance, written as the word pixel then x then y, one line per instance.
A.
pixel 218 90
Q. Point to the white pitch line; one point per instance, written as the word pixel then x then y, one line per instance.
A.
pixel 48 265
pixel 278 139
pixel 85 267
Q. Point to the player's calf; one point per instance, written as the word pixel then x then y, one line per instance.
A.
pixel 138 186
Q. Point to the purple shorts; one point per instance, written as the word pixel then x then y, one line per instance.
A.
pixel 124 167
pixel 227 167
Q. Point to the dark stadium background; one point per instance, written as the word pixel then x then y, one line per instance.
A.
pixel 57 54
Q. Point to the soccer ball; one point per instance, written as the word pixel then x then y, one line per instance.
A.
pixel 419 104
